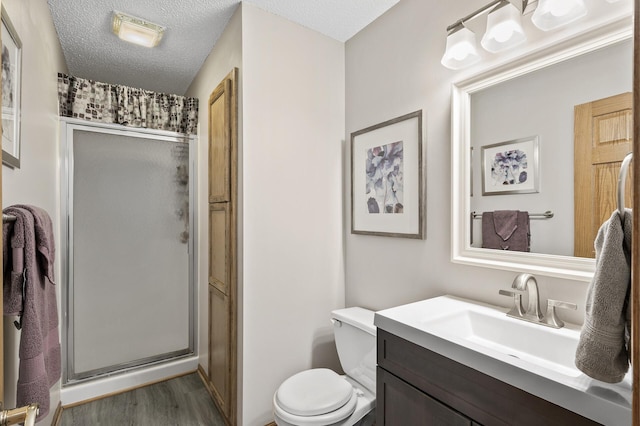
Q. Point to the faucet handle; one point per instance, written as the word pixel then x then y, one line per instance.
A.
pixel 550 318
pixel 517 310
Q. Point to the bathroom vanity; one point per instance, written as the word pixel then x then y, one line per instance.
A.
pixel 419 386
pixel 439 362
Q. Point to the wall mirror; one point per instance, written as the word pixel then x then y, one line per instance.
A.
pixel 530 107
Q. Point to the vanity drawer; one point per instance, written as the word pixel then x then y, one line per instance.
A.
pixel 475 395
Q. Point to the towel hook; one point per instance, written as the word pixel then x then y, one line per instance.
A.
pixel 622 179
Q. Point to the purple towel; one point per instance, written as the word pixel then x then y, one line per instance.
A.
pixel 29 291
pixel 506 230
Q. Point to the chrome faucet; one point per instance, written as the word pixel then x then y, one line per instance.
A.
pixel 528 283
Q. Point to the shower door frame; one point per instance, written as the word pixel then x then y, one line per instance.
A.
pixel 67 128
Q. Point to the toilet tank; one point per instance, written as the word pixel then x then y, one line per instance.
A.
pixel 355 337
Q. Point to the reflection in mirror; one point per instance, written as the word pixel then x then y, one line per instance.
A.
pixel 542 106
pixel 522 138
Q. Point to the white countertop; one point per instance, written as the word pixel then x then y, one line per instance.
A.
pixel 609 404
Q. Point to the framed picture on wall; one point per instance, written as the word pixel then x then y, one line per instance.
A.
pixel 387 189
pixel 511 167
pixel 11 88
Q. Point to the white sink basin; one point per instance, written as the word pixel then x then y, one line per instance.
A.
pixel 488 330
pixel 531 357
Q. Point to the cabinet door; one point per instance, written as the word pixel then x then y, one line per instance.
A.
pixel 223 268
pixel 220 246
pixel 219 349
pixel 220 134
pixel 401 404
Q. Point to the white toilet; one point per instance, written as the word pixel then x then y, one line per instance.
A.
pixel 321 397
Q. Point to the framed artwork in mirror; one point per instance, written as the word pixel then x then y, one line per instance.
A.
pixel 387 178
pixel 11 91
pixel 510 167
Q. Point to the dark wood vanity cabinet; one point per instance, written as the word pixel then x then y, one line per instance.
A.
pixel 416 386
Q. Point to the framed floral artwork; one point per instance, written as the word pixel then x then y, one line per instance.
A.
pixel 387 188
pixel 11 73
pixel 511 167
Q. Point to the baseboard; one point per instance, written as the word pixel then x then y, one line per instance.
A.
pixel 57 416
pixel 207 385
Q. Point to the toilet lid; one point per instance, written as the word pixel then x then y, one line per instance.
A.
pixel 313 392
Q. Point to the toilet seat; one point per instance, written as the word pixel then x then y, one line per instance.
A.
pixel 315 397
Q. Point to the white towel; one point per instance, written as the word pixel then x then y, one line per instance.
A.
pixel 602 351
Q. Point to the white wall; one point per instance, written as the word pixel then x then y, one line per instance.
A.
pixel 293 115
pixel 392 68
pixel 36 182
pixel 225 56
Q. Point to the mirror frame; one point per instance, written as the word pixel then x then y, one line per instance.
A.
pixel 569 267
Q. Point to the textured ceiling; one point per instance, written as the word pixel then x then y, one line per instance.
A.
pixel 192 29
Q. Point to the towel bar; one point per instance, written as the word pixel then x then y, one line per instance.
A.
pixel 8 218
pixel 25 415
pixel 546 215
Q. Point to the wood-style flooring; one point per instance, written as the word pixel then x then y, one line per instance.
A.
pixel 182 401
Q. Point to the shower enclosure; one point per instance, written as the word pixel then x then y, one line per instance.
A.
pixel 127 248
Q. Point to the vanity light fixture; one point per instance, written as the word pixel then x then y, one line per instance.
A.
pixel 461 48
pixel 136 30
pixel 551 14
pixel 504 28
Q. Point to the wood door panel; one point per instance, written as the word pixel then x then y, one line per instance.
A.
pixel 219 144
pixel 219 347
pixel 611 136
pixel 613 127
pixel 219 244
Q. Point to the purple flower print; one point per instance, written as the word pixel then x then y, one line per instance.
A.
pixel 384 180
pixel 509 168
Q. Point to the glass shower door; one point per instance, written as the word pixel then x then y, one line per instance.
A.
pixel 130 293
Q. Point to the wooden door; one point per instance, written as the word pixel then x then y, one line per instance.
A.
pixel 603 135
pixel 223 157
pixel 1 301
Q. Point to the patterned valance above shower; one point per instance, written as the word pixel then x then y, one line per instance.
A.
pixel 112 103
